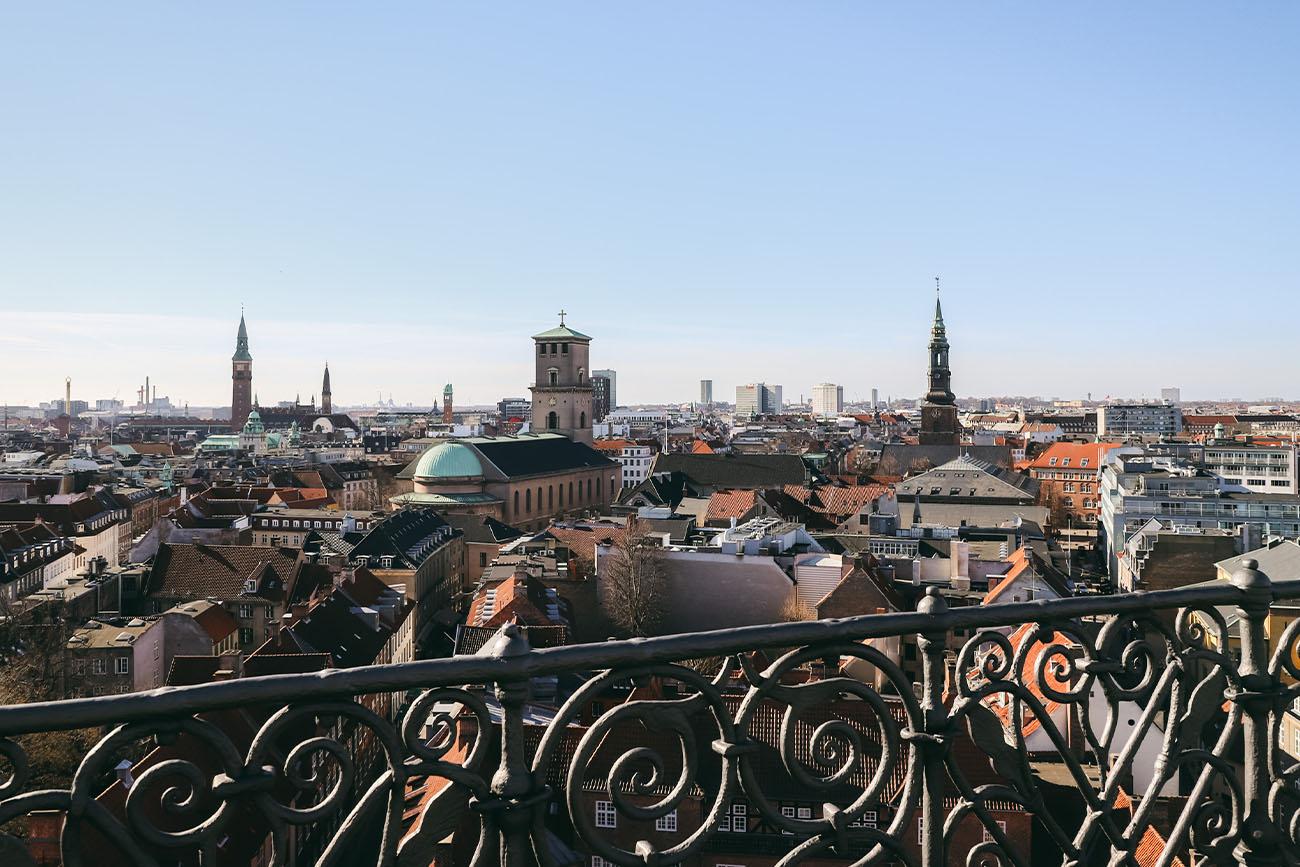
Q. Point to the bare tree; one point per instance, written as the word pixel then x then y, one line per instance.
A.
pixel 633 584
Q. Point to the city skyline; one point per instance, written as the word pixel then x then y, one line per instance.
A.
pixel 406 195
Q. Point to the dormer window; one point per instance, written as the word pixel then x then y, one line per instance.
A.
pixel 1083 462
pixel 250 586
pixel 1065 462
pixel 386 562
pixel 1051 462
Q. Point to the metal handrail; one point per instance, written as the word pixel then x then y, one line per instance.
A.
pixel 172 700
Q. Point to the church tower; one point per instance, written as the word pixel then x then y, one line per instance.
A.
pixel 939 411
pixel 326 404
pixel 562 393
pixel 447 415
pixel 241 374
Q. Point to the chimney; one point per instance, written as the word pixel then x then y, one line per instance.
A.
pixel 123 771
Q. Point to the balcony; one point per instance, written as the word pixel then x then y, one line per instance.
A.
pixel 1066 731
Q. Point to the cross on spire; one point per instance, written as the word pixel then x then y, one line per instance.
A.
pixel 562 315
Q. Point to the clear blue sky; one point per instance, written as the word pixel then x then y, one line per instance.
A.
pixel 719 190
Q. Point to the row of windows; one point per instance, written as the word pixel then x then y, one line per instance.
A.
pixel 99 665
pixel 297 524
pixel 543 347
pixel 551 495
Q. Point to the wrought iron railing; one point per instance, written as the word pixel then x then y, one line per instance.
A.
pixel 1100 721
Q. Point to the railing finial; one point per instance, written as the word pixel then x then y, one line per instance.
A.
pixel 1248 577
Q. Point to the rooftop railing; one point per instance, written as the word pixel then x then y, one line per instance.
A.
pixel 1102 720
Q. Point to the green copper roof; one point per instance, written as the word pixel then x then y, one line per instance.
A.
pixel 561 333
pixel 938 315
pixel 449 460
pixel 241 342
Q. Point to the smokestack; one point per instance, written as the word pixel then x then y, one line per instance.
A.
pixel 147 400
pixel 67 398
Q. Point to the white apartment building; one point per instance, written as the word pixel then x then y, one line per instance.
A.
pixel 1241 464
pixel 1136 487
pixel 636 461
pixel 827 399
pixel 1120 419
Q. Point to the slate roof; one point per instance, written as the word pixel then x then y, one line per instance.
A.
pixel 331 627
pixel 734 471
pixel 967 479
pixel 400 535
pixel 1280 561
pixel 533 454
pixel 527 455
pixel 904 454
pixel 483 529
pixel 220 571
pixel 470 639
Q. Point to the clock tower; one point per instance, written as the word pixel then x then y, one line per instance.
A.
pixel 241 375
pixel 562 392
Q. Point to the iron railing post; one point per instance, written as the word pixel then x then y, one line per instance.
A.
pixel 933 742
pixel 1259 844
pixel 512 782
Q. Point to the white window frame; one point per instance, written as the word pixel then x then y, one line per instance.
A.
pixel 667 822
pixel 122 665
pixel 739 818
pixel 988 838
pixel 606 816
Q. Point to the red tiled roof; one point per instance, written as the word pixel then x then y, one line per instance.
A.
pixel 1208 420
pixel 1151 847
pixel 1029 721
pixel 217 623
pixel 699 447
pixel 730 504
pixel 1075 452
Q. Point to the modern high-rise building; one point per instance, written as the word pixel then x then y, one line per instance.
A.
pixel 875 398
pixel 612 376
pixel 828 399
pixel 562 392
pixel 601 386
pixel 241 374
pixel 706 392
pixel 1171 395
pixel 757 398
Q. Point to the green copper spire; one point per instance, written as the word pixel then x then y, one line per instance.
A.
pixel 241 342
pixel 938 308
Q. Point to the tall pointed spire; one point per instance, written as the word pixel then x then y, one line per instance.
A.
pixel 241 342
pixel 938 308
pixel 326 403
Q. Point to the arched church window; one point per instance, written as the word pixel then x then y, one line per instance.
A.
pixel 582 420
pixel 516 502
pixel 552 421
pixel 528 500
pixel 555 376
